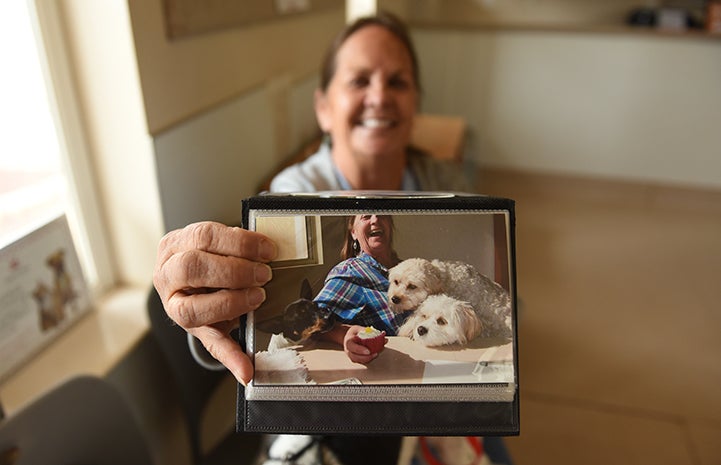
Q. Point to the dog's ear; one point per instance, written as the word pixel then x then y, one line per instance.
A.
pixel 305 290
pixel 471 323
pixel 433 280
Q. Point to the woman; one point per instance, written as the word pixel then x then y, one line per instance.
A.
pixel 368 96
pixel 208 274
pixel 356 289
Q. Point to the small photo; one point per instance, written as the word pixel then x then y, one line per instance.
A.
pixel 413 302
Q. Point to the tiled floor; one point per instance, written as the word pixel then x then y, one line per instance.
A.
pixel 620 321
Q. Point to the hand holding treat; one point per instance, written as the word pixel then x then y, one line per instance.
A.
pixel 356 348
pixel 372 338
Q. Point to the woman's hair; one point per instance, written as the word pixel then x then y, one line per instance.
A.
pixel 386 20
pixel 347 251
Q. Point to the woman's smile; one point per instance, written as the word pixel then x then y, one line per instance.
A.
pixel 376 122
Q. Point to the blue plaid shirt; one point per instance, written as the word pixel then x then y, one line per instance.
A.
pixel 356 291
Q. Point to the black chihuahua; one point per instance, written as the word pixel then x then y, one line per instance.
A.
pixel 303 319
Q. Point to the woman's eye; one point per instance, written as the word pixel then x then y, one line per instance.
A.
pixel 360 81
pixel 441 321
pixel 398 83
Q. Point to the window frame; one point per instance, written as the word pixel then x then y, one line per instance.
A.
pixel 83 207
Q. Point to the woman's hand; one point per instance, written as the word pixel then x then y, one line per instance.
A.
pixel 207 275
pixel 356 351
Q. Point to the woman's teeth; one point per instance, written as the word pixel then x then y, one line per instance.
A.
pixel 373 123
pixel 376 232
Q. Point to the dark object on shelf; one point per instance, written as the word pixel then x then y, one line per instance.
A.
pixel 642 17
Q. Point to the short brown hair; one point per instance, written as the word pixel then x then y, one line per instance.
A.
pixel 386 20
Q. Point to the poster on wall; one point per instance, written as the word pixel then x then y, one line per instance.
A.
pixel 42 292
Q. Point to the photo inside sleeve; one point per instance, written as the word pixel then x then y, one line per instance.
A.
pixel 429 293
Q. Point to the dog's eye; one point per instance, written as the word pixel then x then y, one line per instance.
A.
pixel 441 321
pixel 412 287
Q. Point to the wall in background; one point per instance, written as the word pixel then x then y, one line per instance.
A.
pixel 639 107
pixel 545 14
pixel 103 64
pixel 185 77
pixel 225 108
pixel 208 163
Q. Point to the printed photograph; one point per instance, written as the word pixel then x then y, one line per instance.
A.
pixel 386 299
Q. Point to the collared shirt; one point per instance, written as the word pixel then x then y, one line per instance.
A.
pixel 356 291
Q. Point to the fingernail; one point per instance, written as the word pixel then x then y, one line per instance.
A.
pixel 256 296
pixel 266 250
pixel 262 273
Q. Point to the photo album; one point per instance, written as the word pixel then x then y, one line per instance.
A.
pixel 388 313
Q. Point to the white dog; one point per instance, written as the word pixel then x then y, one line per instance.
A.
pixel 442 320
pixel 459 287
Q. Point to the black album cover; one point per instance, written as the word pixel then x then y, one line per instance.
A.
pixel 384 306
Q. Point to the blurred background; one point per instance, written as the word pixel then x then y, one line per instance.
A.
pixel 601 119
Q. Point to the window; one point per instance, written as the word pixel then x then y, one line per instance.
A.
pixel 38 166
pixel 32 186
pixel 299 239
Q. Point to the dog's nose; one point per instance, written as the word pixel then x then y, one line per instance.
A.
pixel 395 299
pixel 422 330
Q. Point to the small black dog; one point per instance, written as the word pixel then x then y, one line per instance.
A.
pixel 303 318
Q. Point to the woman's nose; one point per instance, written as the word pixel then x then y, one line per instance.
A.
pixel 377 93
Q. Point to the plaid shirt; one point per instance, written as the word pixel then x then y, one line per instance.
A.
pixel 356 291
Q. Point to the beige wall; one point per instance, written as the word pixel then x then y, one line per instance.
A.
pixel 550 14
pixel 640 107
pixel 226 108
pixel 102 61
pixel 189 76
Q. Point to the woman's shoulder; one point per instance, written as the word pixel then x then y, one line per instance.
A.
pixel 437 175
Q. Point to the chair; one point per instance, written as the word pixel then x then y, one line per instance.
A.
pixel 84 420
pixel 441 136
pixel 197 387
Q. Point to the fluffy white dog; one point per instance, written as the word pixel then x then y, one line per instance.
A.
pixel 465 303
pixel 442 320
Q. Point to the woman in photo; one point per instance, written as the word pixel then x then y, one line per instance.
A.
pixel 355 290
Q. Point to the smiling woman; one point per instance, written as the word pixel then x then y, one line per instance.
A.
pixel 368 107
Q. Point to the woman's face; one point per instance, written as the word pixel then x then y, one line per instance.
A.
pixel 370 102
pixel 374 233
